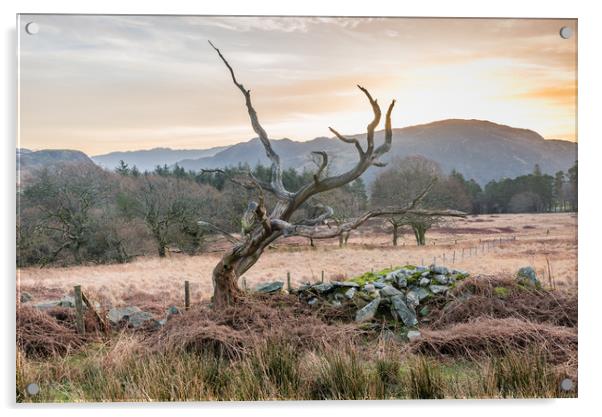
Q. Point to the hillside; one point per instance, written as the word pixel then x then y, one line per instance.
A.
pixel 29 161
pixel 478 149
pixel 148 159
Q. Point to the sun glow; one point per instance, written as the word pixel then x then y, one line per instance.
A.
pixel 140 82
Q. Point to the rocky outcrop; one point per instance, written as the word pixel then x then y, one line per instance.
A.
pixel 395 294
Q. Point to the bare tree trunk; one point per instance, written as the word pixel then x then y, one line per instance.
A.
pixel 420 234
pixel 343 238
pixel 395 234
pixel 225 286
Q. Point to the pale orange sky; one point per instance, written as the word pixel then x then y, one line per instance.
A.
pixel 108 83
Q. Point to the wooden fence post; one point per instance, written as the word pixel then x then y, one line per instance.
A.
pixel 454 257
pixel 288 281
pixel 186 295
pixel 79 310
pixel 322 277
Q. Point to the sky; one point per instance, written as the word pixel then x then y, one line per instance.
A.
pixel 114 83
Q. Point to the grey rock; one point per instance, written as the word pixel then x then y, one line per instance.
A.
pixel 312 301
pixel 270 287
pixel 441 270
pixel 336 303
pixel 441 279
pixel 413 335
pixel 527 276
pixel 67 301
pixel 418 293
pixel 425 274
pixel 403 311
pixel 424 282
pixel 25 297
pixel 350 293
pixel 412 298
pixel 346 284
pixel 421 269
pixel 115 315
pixel 402 282
pixel 438 289
pixel 459 272
pixel 390 277
pixel 424 311
pixel 323 287
pixel 389 291
pixel 379 285
pixel 46 304
pixel 140 318
pixel 368 311
pixel 369 287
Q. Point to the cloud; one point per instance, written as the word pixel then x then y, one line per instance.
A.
pixel 94 82
pixel 564 95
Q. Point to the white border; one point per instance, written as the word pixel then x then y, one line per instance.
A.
pixel 590 271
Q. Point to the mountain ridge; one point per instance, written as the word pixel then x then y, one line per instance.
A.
pixel 479 149
pixel 148 159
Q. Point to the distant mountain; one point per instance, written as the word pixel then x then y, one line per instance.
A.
pixel 478 149
pixel 148 159
pixel 29 161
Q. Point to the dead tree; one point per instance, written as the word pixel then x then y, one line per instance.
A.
pixel 270 225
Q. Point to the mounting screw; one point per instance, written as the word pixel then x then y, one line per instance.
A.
pixel 32 28
pixel 566 384
pixel 566 32
pixel 32 389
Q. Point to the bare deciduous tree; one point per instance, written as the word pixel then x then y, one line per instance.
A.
pixel 169 208
pixel 65 201
pixel 271 225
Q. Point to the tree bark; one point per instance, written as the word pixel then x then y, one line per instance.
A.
pixel 419 233
pixel 395 234
pixel 225 286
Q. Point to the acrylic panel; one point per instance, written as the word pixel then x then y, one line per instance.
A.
pixel 254 208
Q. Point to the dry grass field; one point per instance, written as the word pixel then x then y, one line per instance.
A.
pixel 514 343
pixel 548 242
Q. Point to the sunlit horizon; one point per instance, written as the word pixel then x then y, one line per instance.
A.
pixel 101 84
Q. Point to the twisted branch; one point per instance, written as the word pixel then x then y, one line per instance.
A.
pixel 276 182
